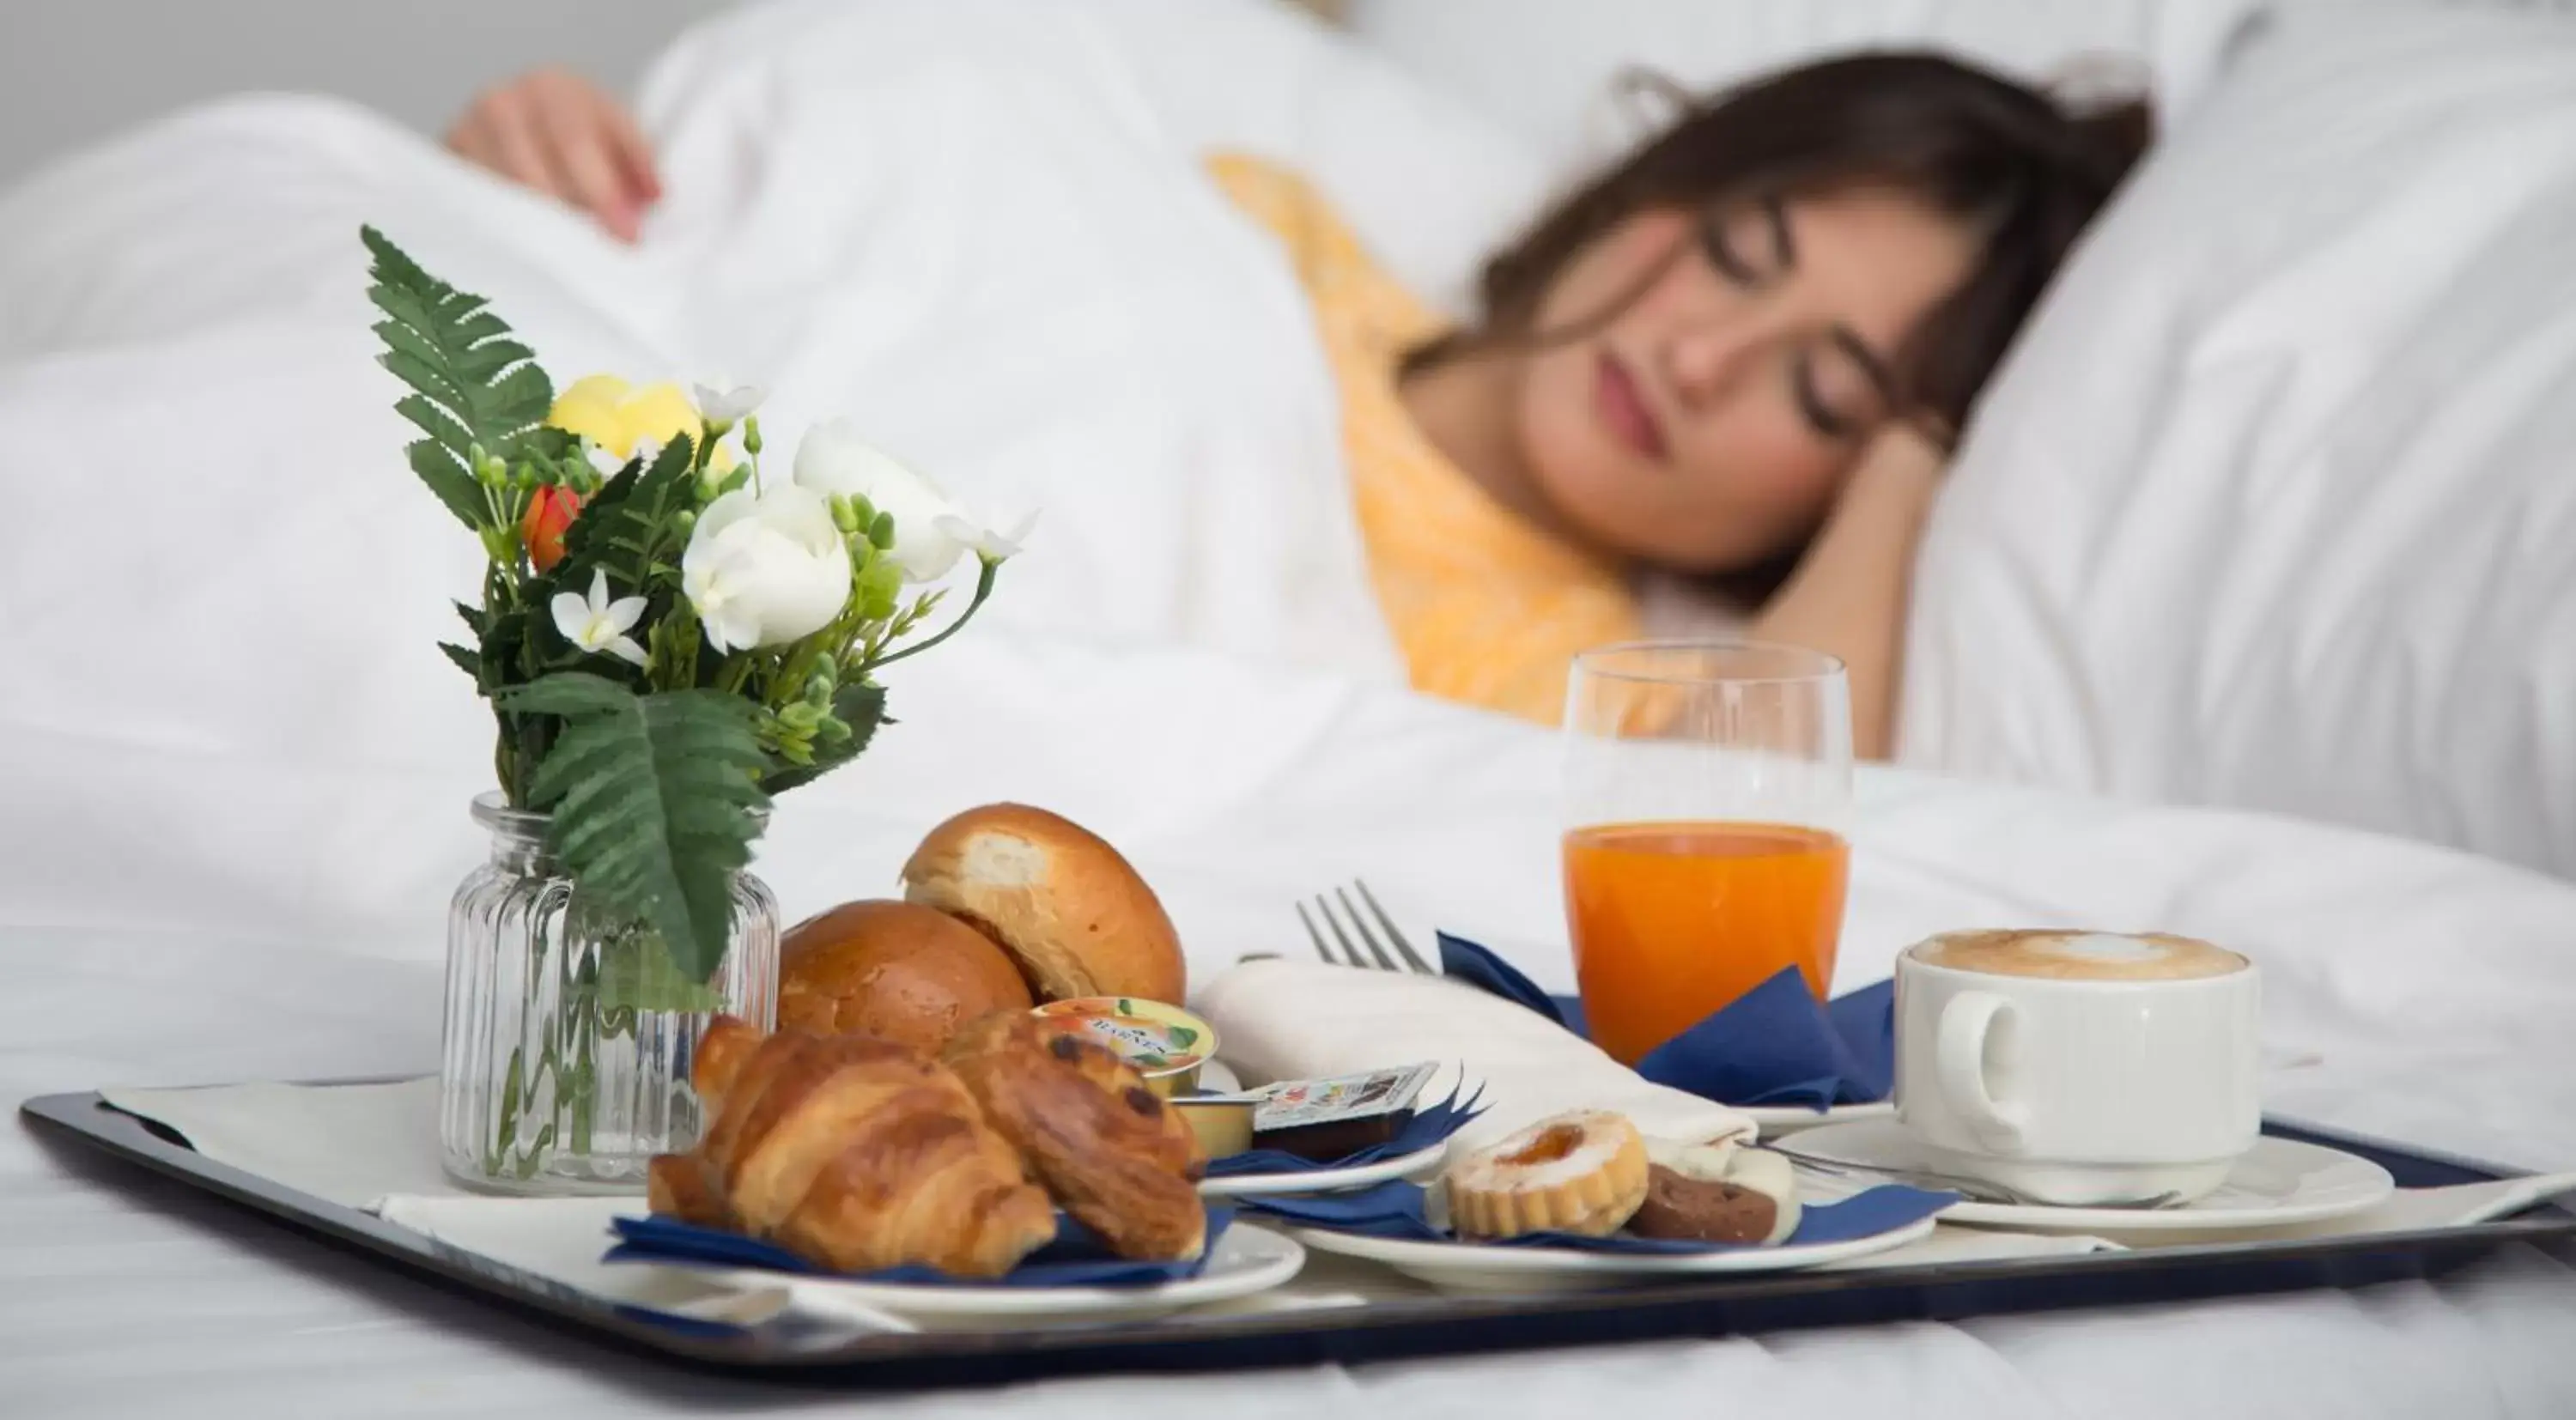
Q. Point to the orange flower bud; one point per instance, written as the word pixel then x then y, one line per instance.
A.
pixel 549 514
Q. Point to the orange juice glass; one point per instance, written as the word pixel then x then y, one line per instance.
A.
pixel 1707 785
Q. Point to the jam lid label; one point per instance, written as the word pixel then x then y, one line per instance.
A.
pixel 1292 1104
pixel 1149 1035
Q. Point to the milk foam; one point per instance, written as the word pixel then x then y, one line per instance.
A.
pixel 2101 946
pixel 2080 956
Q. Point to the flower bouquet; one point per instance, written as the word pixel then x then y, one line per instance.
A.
pixel 670 633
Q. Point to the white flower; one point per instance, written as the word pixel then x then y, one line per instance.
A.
pixel 985 542
pixel 597 624
pixel 720 404
pixel 765 568
pixel 930 530
pixel 602 462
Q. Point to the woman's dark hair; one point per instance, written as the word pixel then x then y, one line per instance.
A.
pixel 2025 172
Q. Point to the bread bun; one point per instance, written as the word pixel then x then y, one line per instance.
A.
pixel 901 973
pixel 1058 899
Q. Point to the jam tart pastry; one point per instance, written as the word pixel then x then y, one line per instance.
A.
pixel 1583 1172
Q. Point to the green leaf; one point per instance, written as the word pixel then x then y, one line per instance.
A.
pixel 505 1130
pixel 622 525
pixel 538 1149
pixel 637 974
pixel 446 476
pixel 653 799
pixel 471 384
pixel 506 652
pixel 467 661
pixel 859 706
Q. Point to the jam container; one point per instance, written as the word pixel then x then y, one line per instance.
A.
pixel 1166 1044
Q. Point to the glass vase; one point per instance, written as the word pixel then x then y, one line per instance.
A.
pixel 566 1051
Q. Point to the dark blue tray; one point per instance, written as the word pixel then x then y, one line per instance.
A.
pixel 1713 1306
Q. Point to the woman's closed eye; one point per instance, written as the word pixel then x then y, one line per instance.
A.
pixel 1749 242
pixel 1831 392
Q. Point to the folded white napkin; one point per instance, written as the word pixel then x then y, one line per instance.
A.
pixel 350 1144
pixel 1283 1019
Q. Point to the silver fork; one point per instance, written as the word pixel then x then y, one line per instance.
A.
pixel 1376 956
pixel 1975 1189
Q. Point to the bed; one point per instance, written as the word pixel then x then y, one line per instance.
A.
pixel 235 865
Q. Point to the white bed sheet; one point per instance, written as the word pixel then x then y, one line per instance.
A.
pixel 243 876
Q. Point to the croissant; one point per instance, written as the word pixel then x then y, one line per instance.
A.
pixel 1112 1152
pixel 850 1152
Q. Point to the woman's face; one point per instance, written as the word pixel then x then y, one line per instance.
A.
pixel 1708 424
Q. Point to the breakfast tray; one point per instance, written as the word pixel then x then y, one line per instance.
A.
pixel 1410 1326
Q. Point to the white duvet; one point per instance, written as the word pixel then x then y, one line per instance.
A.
pixel 235 772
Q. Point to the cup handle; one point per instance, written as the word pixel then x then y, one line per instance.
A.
pixel 1959 1063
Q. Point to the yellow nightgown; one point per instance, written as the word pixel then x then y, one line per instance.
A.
pixel 1485 608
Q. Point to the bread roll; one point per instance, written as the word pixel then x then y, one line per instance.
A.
pixel 900 972
pixel 1063 903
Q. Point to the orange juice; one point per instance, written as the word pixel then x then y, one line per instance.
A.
pixel 1673 920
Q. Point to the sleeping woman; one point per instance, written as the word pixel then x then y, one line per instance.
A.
pixel 1739 355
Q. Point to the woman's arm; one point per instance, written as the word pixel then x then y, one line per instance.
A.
pixel 555 131
pixel 1848 595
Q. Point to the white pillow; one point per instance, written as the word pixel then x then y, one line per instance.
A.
pixel 2273 504
pixel 1546 69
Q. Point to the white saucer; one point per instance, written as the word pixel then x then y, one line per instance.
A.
pixel 1480 1267
pixel 1247 1259
pixel 1415 1164
pixel 2278 1181
pixel 1775 1120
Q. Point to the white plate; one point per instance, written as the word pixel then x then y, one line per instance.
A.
pixel 1478 1267
pixel 1419 1162
pixel 1247 1259
pixel 2278 1181
pixel 1777 1119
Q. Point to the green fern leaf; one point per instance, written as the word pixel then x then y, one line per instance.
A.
pixel 654 801
pixel 471 384
pixel 635 507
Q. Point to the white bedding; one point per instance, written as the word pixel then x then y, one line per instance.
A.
pixel 240 872
pixel 2270 507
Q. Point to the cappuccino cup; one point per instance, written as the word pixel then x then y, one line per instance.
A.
pixel 2078 1068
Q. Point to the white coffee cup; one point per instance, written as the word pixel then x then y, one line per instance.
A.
pixel 2079 1067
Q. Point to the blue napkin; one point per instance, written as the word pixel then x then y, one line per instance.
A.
pixel 1774 1045
pixel 1077 1257
pixel 1395 1210
pixel 1429 1126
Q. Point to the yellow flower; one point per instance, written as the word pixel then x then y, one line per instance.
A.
pixel 617 416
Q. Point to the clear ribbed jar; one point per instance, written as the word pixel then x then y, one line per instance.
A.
pixel 565 1055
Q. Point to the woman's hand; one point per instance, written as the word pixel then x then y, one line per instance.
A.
pixel 1848 596
pixel 555 131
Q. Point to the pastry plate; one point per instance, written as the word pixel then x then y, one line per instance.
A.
pixel 1419 1162
pixel 1248 1259
pixel 2278 1182
pixel 1475 1267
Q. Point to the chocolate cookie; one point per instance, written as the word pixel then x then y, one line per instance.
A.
pixel 1703 1210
